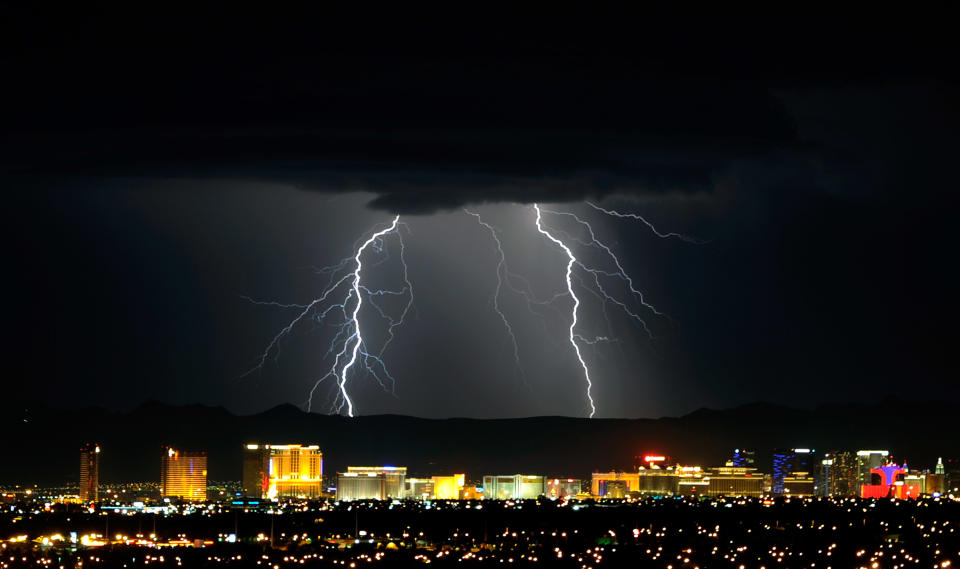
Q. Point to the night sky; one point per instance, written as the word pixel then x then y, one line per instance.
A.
pixel 160 165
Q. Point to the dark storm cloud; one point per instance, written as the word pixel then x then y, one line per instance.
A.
pixel 467 113
pixel 817 159
pixel 463 136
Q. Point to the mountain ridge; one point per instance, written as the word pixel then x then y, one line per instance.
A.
pixel 46 441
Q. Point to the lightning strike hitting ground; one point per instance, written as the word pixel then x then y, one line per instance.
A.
pixel 576 305
pixel 348 346
pixel 348 343
pixel 501 269
pixel 356 310
pixel 595 285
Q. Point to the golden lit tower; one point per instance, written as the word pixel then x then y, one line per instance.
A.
pixel 90 472
pixel 183 475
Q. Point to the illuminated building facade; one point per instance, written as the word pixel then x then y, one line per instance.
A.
pixel 90 473
pixel 614 484
pixel 781 466
pixel 563 487
pixel 837 475
pixel 691 482
pixel 799 484
pixel 792 463
pixel 372 483
pixel 734 481
pixel 890 481
pixel 658 481
pixel 925 483
pixel 513 486
pixel 653 481
pixel 282 471
pixel 419 488
pixel 436 487
pixel 471 492
pixel 183 475
pixel 448 487
pixel 821 476
pixel 936 483
pixel 693 487
pixel 867 460
pixel 933 484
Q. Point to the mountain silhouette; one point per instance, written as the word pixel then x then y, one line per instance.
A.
pixel 43 444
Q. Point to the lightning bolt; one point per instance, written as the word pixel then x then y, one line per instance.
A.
pixel 274 345
pixel 640 218
pixel 358 339
pixel 571 261
pixel 408 288
pixel 501 270
pixel 348 345
pixel 593 281
pixel 345 283
pixel 620 273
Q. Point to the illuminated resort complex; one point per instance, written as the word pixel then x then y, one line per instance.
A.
pixel 372 483
pixel 282 471
pixel 183 475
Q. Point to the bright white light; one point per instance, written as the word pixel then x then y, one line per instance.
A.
pixel 356 311
pixel 576 305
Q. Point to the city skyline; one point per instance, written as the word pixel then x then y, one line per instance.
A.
pixel 280 473
pixel 561 446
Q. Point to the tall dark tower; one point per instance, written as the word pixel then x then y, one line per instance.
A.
pixel 90 472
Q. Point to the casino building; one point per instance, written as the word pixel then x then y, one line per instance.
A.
pixel 183 475
pixel 282 471
pixel 372 483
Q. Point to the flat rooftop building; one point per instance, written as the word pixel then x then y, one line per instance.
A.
pixel 372 483
pixel 734 481
pixel 513 486
pixel 614 484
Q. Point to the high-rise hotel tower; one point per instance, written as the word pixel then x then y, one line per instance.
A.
pixel 89 472
pixel 183 475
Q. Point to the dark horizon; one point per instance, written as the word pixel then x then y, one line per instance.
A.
pixel 26 405
pixel 132 441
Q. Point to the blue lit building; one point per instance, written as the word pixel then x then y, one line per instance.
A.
pixel 744 458
pixel 788 464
